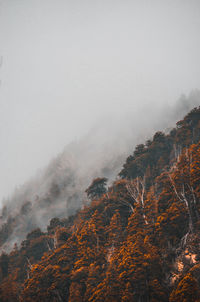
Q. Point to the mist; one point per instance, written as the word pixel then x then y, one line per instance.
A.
pixel 58 190
pixel 70 67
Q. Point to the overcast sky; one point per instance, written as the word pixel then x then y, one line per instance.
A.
pixel 67 63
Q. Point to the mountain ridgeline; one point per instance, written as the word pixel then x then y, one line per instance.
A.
pixel 137 240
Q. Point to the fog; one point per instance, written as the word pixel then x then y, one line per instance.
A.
pixel 68 66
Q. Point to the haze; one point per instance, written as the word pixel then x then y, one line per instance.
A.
pixel 67 64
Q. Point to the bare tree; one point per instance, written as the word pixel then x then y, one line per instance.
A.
pixel 136 189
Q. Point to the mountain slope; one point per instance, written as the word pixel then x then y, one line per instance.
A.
pixel 139 241
pixel 58 190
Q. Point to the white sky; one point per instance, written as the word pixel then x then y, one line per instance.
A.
pixel 67 63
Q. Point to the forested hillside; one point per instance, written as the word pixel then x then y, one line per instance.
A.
pixel 58 189
pixel 138 239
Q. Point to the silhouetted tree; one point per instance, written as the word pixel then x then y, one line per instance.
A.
pixel 97 188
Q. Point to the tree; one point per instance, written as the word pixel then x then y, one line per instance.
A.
pixel 187 290
pixel 97 188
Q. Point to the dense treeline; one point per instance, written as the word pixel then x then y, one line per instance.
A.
pixel 151 159
pixel 138 240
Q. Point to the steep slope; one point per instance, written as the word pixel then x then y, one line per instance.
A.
pixel 58 190
pixel 139 241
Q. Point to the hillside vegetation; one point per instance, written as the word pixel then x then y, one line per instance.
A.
pixel 138 239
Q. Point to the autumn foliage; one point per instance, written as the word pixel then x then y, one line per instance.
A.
pixel 138 240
